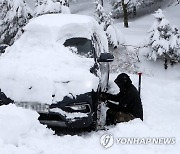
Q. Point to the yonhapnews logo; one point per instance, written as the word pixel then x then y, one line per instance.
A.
pixel 107 140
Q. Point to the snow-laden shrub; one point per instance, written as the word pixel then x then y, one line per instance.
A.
pixel 65 10
pixel 164 40
pixel 116 9
pixel 115 36
pixel 102 18
pixel 174 46
pixel 46 7
pixel 124 61
pixel 14 15
pixel 64 6
pixel 132 5
pixel 51 6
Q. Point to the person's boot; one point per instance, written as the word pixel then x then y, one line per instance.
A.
pixel 110 120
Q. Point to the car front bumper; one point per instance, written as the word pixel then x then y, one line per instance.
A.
pixel 58 120
pixel 63 115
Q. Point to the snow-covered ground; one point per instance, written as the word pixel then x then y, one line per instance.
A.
pixel 20 131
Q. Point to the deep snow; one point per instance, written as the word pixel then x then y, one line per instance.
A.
pixel 20 132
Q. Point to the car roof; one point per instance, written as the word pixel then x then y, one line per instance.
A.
pixel 60 20
pixel 61 27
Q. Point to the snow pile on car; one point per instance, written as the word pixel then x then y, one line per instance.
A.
pixel 59 27
pixel 38 66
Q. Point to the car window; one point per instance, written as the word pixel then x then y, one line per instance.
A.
pixel 81 46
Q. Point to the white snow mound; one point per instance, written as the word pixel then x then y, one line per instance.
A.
pixel 17 124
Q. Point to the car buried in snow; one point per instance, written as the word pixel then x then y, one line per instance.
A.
pixel 58 67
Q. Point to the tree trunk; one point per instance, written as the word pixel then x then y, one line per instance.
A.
pixel 125 14
pixel 134 11
pixel 102 3
pixel 165 63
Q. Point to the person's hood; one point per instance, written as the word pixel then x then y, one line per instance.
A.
pixel 123 81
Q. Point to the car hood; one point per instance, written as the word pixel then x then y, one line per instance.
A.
pixel 35 68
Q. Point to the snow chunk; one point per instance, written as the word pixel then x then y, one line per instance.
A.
pixel 65 10
pixel 18 123
pixel 69 115
pixel 158 14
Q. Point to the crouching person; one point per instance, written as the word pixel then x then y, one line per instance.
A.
pixel 127 104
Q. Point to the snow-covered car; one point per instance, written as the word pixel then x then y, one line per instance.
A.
pixel 58 67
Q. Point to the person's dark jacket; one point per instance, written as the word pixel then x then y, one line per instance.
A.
pixel 128 97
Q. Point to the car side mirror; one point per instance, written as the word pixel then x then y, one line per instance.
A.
pixel 105 57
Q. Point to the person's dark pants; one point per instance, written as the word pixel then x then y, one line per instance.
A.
pixel 113 117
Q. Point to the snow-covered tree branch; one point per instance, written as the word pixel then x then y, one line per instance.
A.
pixel 51 6
pixel 14 15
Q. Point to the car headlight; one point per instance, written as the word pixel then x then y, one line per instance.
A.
pixel 80 107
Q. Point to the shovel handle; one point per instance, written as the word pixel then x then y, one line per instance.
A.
pixel 139 86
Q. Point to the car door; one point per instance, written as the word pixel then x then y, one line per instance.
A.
pixel 103 67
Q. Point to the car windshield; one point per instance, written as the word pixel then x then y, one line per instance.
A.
pixel 81 46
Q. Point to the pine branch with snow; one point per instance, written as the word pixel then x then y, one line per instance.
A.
pixel 46 7
pixel 114 35
pixel 14 15
pixel 124 61
pixel 117 7
pixel 174 46
pixel 51 6
pixel 65 7
pixel 100 14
